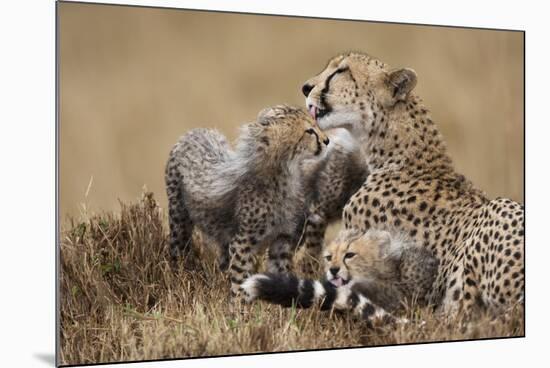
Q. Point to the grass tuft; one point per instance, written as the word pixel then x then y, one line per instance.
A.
pixel 121 300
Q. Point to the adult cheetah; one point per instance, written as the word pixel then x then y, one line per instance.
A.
pixel 413 187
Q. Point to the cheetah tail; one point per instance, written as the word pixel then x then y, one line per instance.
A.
pixel 288 290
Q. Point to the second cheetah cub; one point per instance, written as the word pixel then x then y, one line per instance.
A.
pixel 372 274
pixel 387 267
pixel 246 198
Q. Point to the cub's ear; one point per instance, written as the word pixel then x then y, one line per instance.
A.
pixel 265 116
pixel 384 243
pixel 379 238
pixel 401 82
pixel 269 114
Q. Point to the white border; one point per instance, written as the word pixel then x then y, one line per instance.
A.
pixel 27 182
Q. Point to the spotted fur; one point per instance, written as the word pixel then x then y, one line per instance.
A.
pixel 413 187
pixel 248 198
pixel 328 187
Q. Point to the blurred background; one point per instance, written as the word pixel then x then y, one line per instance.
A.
pixel 132 80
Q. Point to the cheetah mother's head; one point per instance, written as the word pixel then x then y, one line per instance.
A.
pixel 353 88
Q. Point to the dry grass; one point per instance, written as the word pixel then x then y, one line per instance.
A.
pixel 132 80
pixel 120 300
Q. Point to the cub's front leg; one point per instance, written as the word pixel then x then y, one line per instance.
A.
pixel 241 261
pixel 312 242
pixel 280 255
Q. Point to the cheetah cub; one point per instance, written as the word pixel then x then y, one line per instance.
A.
pixel 248 198
pixel 373 274
pixel 329 185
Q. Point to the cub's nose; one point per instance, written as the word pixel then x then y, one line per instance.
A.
pixel 334 270
pixel 306 89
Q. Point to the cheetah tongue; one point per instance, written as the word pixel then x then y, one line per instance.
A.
pixel 337 281
pixel 313 112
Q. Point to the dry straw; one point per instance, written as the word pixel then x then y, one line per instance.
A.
pixel 121 301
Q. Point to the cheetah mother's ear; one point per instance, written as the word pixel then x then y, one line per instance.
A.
pixel 400 83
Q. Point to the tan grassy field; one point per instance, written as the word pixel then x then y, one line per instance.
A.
pixel 120 300
pixel 133 80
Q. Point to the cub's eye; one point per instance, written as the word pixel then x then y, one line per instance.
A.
pixel 328 258
pixel 349 255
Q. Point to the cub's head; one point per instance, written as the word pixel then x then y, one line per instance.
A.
pixel 286 133
pixel 356 255
pixel 353 88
